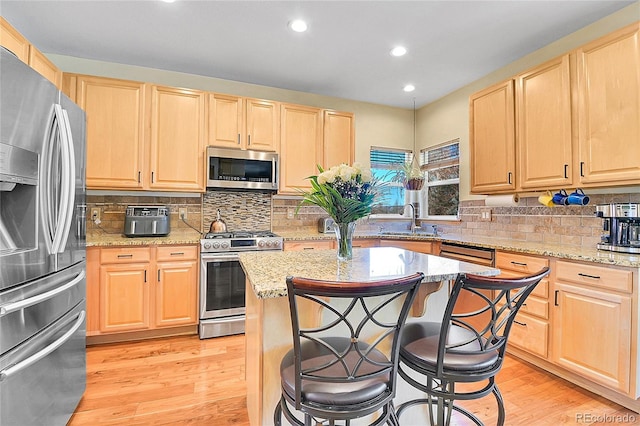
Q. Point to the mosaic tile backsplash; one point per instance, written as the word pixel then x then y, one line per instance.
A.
pixel 240 210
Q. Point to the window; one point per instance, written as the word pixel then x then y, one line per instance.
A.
pixel 384 161
pixel 441 192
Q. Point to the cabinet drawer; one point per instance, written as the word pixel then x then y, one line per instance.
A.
pixel 596 276
pixel 365 242
pixel 535 306
pixel 168 253
pixel 308 245
pixel 125 255
pixel 530 334
pixel 541 290
pixel 526 265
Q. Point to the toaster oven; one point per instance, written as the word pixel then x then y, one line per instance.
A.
pixel 146 221
pixel 325 225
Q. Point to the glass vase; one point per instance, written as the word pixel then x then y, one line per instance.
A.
pixel 344 237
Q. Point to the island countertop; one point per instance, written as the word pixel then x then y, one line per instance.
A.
pixel 267 270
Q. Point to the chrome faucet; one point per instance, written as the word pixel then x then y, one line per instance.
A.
pixel 414 227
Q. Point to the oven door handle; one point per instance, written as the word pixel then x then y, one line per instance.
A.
pixel 221 257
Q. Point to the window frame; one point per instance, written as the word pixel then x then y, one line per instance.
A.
pixel 408 157
pixel 426 167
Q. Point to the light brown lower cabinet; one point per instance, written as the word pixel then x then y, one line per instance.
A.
pixel 141 288
pixel 418 246
pixel 328 244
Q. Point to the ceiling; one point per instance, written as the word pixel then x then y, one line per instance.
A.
pixel 344 53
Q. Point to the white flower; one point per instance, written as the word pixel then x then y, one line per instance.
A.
pixel 366 175
pixel 322 178
pixel 346 173
pixel 330 175
pixel 357 167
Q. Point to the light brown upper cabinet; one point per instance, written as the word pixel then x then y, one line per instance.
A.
pixel 339 138
pixel 116 111
pixel 543 125
pixel 301 147
pixel 28 53
pixel 608 81
pixel 245 123
pixel 492 139
pixel 177 139
pixel 571 128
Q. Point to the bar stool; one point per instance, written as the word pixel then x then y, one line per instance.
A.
pixel 344 366
pixel 466 347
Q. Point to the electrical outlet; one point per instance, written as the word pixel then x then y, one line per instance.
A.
pixel 95 213
pixel 485 215
pixel 182 212
pixel 290 213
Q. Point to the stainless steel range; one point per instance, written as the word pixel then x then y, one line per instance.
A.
pixel 222 280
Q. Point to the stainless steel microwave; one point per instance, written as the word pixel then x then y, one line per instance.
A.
pixel 241 169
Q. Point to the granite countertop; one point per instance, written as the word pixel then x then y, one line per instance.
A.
pixel 267 270
pixel 518 246
pixel 178 236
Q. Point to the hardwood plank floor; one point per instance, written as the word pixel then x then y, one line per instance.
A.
pixel 184 380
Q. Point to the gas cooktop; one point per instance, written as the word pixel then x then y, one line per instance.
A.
pixel 214 242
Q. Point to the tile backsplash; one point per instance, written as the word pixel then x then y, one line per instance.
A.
pixel 112 210
pixel 255 210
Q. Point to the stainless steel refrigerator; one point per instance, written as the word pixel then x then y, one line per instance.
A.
pixel 42 249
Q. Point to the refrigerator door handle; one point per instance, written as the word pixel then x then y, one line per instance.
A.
pixel 16 306
pixel 58 205
pixel 27 362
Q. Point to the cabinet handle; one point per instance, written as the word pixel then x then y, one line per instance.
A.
pixel 177 253
pixel 248 139
pixel 566 170
pixel 158 275
pixel 307 248
pixel 124 256
pixel 582 169
pixel 238 138
pixel 509 177
pixel 145 275
pixel 595 277
pixel 152 177
pixel 518 263
pixel 139 173
pixel 524 324
pixel 555 298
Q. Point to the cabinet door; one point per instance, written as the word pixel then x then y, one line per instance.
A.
pixel 226 121
pixel 543 122
pixel 124 297
pixel 115 131
pixel 177 139
pixel 339 138
pixel 492 139
pixel 93 291
pixel 11 39
pixel 262 125
pixel 45 67
pixel 300 146
pixel 592 334
pixel 176 293
pixel 608 80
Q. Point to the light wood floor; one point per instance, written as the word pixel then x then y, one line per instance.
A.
pixel 184 380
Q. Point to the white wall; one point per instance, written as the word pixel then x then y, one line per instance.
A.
pixel 376 125
pixel 448 117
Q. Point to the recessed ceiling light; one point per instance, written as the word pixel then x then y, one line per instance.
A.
pixel 409 88
pixel 168 1
pixel 298 25
pixel 398 51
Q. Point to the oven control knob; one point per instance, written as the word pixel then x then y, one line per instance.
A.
pixel 216 245
pixel 276 243
pixel 269 243
pixel 207 245
pixel 261 243
pixel 224 245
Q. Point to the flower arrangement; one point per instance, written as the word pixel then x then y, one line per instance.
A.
pixel 347 194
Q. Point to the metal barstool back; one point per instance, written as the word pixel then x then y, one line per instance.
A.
pixel 344 360
pixel 466 347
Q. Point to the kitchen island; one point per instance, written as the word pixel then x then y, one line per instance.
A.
pixel 268 327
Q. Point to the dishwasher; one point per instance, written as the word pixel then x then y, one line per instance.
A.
pixel 467 301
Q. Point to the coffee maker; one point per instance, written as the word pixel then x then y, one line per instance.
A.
pixel 621 227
